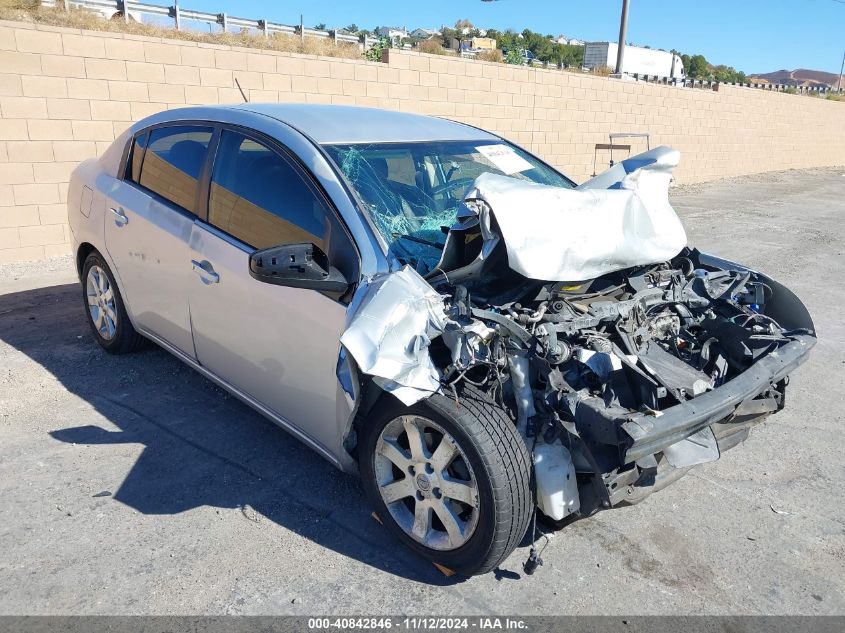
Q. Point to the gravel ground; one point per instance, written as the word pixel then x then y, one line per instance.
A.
pixel 131 485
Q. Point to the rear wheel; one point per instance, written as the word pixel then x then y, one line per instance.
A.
pixel 450 480
pixel 104 307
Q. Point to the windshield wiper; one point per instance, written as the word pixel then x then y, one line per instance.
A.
pixel 418 240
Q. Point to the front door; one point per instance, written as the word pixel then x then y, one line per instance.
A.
pixel 276 344
pixel 149 219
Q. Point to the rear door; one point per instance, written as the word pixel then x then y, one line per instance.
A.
pixel 276 344
pixel 149 220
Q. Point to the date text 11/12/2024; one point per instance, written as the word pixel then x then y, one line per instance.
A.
pixel 418 623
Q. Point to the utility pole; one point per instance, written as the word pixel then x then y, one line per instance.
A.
pixel 623 31
pixel 841 68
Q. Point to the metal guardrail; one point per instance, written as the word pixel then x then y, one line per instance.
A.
pixel 699 83
pixel 125 9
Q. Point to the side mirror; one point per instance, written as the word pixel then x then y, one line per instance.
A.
pixel 297 266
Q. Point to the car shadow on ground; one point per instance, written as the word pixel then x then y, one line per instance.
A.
pixel 202 447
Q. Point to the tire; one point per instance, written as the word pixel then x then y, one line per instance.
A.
pixel 489 448
pixel 122 337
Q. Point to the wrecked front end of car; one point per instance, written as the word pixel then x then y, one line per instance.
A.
pixel 624 357
pixel 627 381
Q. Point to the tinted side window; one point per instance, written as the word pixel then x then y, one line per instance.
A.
pixel 173 161
pixel 261 199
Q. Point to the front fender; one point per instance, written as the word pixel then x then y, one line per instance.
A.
pixel 784 307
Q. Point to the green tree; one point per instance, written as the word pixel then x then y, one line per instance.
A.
pixel 515 56
pixel 460 25
pixel 505 40
pixel 729 74
pixel 321 26
pixel 373 54
pixel 698 67
pixel 352 28
pixel 571 56
pixel 447 34
pixel 541 46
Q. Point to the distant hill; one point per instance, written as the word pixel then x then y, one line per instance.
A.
pixel 800 77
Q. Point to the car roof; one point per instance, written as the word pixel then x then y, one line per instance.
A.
pixel 338 124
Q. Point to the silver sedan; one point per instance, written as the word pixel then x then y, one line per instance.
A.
pixel 266 246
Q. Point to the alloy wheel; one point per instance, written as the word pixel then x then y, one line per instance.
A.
pixel 101 308
pixel 426 482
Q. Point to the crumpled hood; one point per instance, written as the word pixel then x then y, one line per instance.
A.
pixel 556 234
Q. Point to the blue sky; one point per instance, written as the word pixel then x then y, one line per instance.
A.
pixel 751 35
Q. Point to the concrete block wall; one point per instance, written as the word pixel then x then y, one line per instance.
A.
pixel 65 94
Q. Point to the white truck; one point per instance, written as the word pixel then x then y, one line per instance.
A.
pixel 641 61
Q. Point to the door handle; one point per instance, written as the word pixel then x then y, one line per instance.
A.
pixel 205 271
pixel 120 218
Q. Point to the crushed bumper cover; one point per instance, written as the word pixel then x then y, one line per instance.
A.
pixel 652 434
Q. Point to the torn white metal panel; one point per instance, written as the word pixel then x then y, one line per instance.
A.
pixel 390 331
pixel 556 234
pixel 661 158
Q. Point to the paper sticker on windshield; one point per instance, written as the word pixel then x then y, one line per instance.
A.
pixel 504 158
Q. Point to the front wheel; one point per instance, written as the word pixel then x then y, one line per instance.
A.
pixel 450 479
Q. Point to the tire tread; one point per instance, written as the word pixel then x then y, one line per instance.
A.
pixel 504 449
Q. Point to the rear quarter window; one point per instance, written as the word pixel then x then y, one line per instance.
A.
pixel 136 158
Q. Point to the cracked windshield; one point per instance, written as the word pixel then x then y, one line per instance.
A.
pixel 412 191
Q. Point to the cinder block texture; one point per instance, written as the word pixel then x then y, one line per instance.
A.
pixel 65 94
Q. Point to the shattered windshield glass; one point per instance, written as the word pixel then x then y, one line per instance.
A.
pixel 412 190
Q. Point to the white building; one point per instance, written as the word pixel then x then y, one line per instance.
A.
pixel 394 34
pixel 638 60
pixel 425 34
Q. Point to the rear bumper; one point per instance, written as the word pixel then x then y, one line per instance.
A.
pixel 652 434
